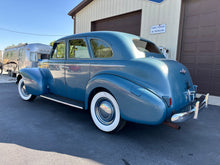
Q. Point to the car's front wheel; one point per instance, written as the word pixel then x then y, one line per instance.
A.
pixel 105 112
pixel 23 93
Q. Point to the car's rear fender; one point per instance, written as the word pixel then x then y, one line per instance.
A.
pixel 136 103
pixel 36 80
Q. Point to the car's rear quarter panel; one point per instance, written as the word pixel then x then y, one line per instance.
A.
pixel 136 103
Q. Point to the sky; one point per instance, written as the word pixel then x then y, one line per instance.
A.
pixel 44 17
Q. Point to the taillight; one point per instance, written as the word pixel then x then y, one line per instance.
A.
pixel 168 100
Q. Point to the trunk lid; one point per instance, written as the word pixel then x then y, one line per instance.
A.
pixel 182 89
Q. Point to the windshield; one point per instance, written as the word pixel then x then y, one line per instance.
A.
pixel 148 48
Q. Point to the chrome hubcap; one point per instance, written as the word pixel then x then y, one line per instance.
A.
pixel 105 111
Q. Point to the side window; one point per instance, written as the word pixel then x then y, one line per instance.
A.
pixel 59 51
pixel 78 49
pixel 101 49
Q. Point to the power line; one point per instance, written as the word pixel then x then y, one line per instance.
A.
pixel 33 34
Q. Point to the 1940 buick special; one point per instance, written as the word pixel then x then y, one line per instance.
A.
pixel 118 77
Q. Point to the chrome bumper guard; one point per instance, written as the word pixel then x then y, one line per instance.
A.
pixel 201 104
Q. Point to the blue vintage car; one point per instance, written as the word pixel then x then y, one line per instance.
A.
pixel 119 77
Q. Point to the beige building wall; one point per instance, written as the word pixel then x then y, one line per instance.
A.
pixel 167 12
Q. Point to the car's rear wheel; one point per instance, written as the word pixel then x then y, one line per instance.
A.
pixel 105 112
pixel 23 93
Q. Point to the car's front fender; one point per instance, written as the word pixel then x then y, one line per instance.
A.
pixel 136 103
pixel 36 80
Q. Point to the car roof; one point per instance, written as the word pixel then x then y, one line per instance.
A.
pixel 101 34
pixel 121 43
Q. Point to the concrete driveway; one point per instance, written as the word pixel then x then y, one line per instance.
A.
pixel 45 132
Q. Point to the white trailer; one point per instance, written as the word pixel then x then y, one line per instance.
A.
pixel 24 56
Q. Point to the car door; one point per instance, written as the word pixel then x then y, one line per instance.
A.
pixel 77 68
pixel 56 67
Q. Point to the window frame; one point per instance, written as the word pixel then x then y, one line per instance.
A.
pixel 52 53
pixel 106 58
pixel 87 46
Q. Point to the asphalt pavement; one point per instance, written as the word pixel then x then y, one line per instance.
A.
pixel 45 132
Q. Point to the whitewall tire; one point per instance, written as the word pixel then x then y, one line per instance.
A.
pixel 105 112
pixel 23 93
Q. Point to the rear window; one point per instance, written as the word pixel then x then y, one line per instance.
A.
pixel 148 48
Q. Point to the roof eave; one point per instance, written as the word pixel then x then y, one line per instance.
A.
pixel 79 7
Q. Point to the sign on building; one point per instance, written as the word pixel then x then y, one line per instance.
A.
pixel 157 29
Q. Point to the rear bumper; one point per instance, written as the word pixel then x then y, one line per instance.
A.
pixel 200 105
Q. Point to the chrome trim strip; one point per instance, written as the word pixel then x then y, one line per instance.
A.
pixel 58 101
pixel 103 65
pixel 77 64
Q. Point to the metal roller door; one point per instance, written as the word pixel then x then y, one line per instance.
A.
pixel 129 23
pixel 200 46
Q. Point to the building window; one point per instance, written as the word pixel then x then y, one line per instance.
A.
pixel 59 51
pixel 78 49
pixel 101 49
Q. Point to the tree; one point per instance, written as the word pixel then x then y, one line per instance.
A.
pixel 51 44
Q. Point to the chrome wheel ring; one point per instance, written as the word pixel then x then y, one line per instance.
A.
pixel 105 111
pixel 22 91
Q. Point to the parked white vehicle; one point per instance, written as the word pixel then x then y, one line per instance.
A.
pixel 24 56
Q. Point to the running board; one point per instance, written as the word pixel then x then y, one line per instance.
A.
pixel 63 100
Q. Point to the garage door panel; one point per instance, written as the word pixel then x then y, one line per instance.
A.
pixel 205 6
pixel 200 49
pixel 189 60
pixel 217 31
pixel 130 23
pixel 205 60
pixel 192 8
pixel 189 47
pixel 216 89
pixel 218 16
pixel 207 33
pixel 192 22
pixel 216 86
pixel 217 60
pixel 190 35
pixel 204 47
pixel 217 75
pixel 203 87
pixel 204 73
pixel 218 47
pixel 208 19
